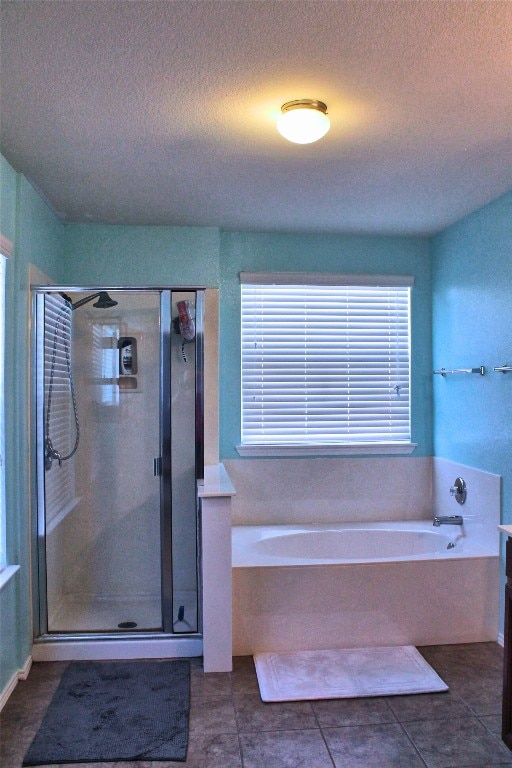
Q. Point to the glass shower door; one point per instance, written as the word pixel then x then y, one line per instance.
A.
pixel 99 411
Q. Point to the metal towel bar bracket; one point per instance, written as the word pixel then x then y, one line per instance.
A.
pixel 504 368
pixel 480 370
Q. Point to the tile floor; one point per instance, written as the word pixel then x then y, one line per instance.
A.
pixel 230 727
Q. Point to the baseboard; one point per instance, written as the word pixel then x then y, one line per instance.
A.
pixel 501 639
pixel 24 671
pixel 21 674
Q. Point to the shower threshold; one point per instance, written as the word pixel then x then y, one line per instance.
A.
pixel 116 645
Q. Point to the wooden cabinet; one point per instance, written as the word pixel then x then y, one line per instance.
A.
pixel 506 730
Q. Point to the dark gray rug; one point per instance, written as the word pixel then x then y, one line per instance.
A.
pixel 116 710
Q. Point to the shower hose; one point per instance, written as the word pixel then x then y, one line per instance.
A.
pixel 50 453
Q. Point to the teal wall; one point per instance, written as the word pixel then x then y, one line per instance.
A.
pixel 37 239
pixel 129 255
pixel 10 602
pixel 472 310
pixel 472 326
pixel 323 253
pixel 97 254
pixel 8 195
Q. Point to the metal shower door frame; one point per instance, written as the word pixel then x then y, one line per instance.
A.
pixel 40 612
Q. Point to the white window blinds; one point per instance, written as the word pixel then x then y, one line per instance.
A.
pixel 6 248
pixel 325 364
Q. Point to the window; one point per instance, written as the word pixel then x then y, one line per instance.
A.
pixel 6 571
pixel 325 363
pixel 4 249
pixel 60 428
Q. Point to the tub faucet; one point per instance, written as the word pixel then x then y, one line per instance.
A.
pixel 448 520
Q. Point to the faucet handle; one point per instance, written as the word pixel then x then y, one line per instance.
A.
pixel 459 490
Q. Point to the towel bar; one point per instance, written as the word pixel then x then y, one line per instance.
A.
pixel 480 370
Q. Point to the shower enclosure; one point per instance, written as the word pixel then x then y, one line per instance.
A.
pixel 118 413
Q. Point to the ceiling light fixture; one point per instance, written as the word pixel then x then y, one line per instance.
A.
pixel 303 121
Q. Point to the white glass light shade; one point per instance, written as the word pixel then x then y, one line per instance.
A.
pixel 303 121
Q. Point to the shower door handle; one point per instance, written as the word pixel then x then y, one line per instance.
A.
pixel 157 466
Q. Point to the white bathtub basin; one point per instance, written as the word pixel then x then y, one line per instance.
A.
pixel 274 545
pixel 353 544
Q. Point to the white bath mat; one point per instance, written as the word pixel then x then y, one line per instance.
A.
pixel 345 674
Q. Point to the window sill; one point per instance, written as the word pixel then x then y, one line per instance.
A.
pixel 6 574
pixel 382 449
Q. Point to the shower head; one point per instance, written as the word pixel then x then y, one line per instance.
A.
pixel 103 302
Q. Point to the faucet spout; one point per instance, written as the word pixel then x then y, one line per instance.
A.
pixel 448 520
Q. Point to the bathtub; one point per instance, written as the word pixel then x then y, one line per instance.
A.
pixel 398 541
pixel 309 587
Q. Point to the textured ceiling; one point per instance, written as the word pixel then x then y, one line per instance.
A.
pixel 163 111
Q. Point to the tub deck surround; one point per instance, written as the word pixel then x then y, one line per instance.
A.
pixel 216 483
pixel 215 493
pixel 482 507
pixel 414 602
pixel 324 489
pixel 288 598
